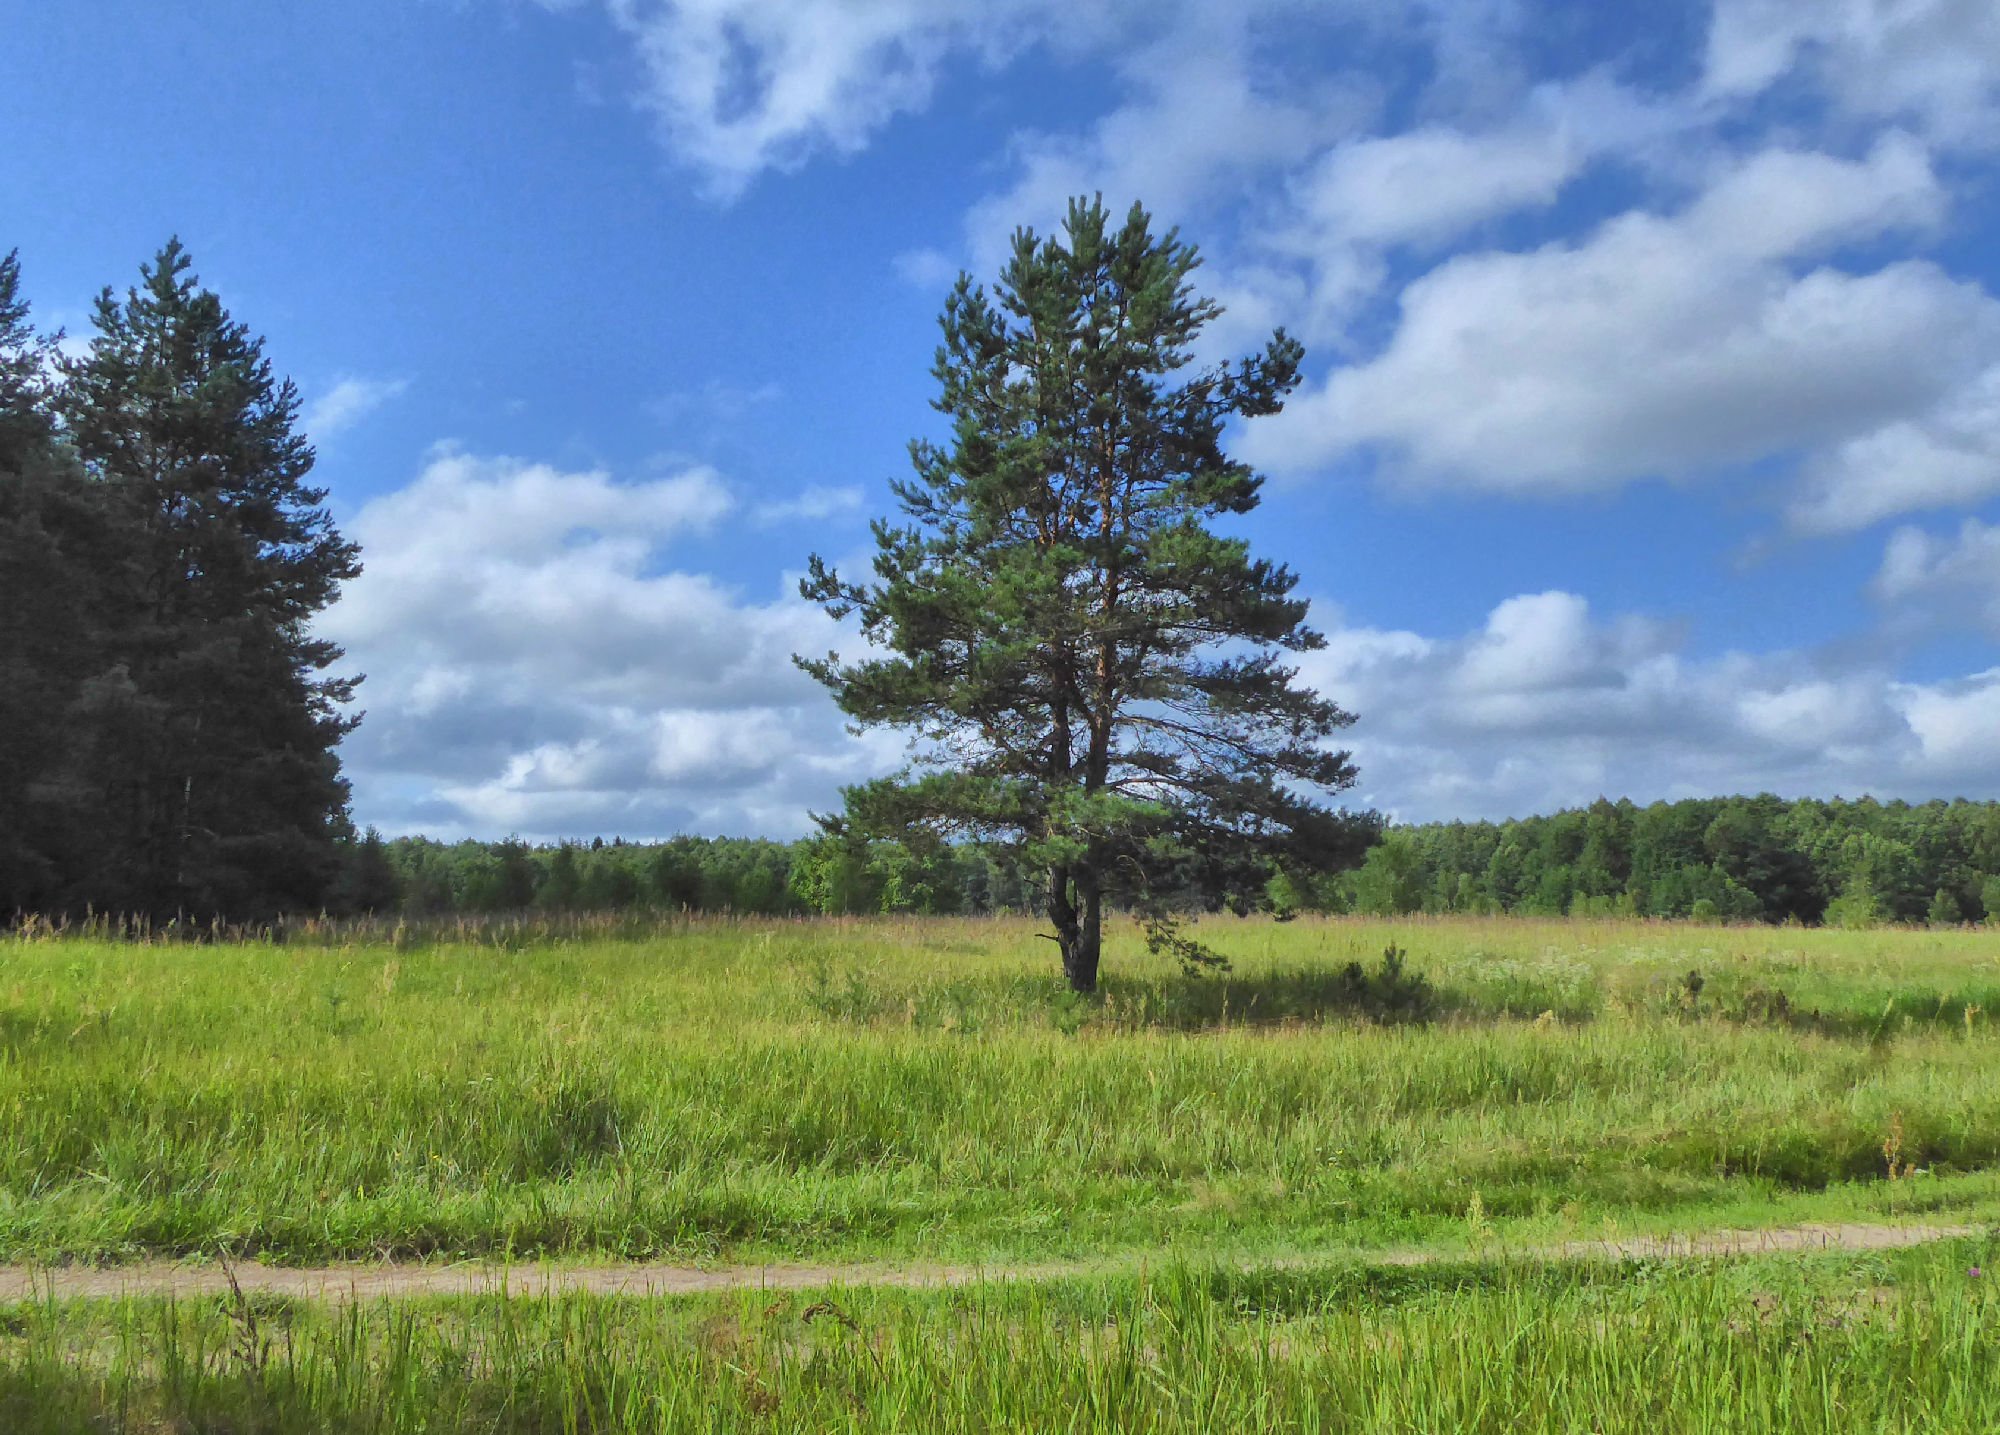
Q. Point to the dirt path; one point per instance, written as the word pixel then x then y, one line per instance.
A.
pixel 367 1282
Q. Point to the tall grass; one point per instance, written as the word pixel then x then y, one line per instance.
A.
pixel 927 1088
pixel 1899 1343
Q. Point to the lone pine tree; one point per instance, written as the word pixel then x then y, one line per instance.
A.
pixel 1089 670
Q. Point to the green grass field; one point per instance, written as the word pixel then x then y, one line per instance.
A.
pixel 1805 1344
pixel 924 1090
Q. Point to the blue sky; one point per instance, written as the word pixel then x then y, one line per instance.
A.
pixel 1650 443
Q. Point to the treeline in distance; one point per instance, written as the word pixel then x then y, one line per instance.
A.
pixel 1728 859
pixel 1768 859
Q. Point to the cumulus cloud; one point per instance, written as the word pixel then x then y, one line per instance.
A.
pixel 347 403
pixel 1546 705
pixel 1659 345
pixel 740 87
pixel 1932 62
pixel 537 664
pixel 1205 113
pixel 1668 342
pixel 1947 457
pixel 1741 279
pixel 1430 184
pixel 1944 578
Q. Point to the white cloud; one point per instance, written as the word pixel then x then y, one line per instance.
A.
pixel 815 504
pixel 1665 343
pixel 1749 288
pixel 1943 578
pixel 1428 184
pixel 1206 115
pixel 1947 457
pixel 926 269
pixel 1322 255
pixel 740 87
pixel 1545 706
pixel 347 403
pixel 535 663
pixel 1659 345
pixel 1932 62
pixel 1954 725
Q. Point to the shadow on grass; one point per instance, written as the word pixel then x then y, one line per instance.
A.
pixel 1915 1009
pixel 1388 994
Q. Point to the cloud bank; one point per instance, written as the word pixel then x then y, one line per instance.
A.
pixel 537 663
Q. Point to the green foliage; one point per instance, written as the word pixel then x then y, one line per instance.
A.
pixel 830 876
pixel 1390 881
pixel 52 624
pixel 1733 859
pixel 1856 908
pixel 1093 669
pixel 172 717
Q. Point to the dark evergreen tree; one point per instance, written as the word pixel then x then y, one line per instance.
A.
pixel 368 879
pixel 54 559
pixel 217 784
pixel 561 885
pixel 1093 670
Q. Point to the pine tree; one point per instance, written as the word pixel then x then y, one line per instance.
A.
pixel 221 792
pixel 52 567
pixel 1092 670
pixel 368 881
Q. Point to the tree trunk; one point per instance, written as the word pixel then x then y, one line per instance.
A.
pixel 1081 967
pixel 1079 924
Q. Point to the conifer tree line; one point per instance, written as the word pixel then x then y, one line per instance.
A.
pixel 1765 859
pixel 168 721
pixel 730 876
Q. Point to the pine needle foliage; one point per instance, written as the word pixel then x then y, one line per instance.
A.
pixel 204 759
pixel 1089 666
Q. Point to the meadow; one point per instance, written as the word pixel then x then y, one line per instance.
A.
pixel 924 1089
pixel 1901 1342
pixel 1217 1161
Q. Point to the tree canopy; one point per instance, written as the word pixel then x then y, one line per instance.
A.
pixel 1090 668
pixel 163 556
pixel 1761 858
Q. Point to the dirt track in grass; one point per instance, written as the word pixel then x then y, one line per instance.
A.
pixel 379 1281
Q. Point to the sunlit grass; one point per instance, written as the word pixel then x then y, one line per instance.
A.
pixel 1806 1344
pixel 926 1088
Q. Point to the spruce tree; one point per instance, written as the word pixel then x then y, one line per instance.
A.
pixel 1090 671
pixel 222 793
pixel 53 562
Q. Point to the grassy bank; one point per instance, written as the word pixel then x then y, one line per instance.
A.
pixel 1902 1342
pixel 925 1089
